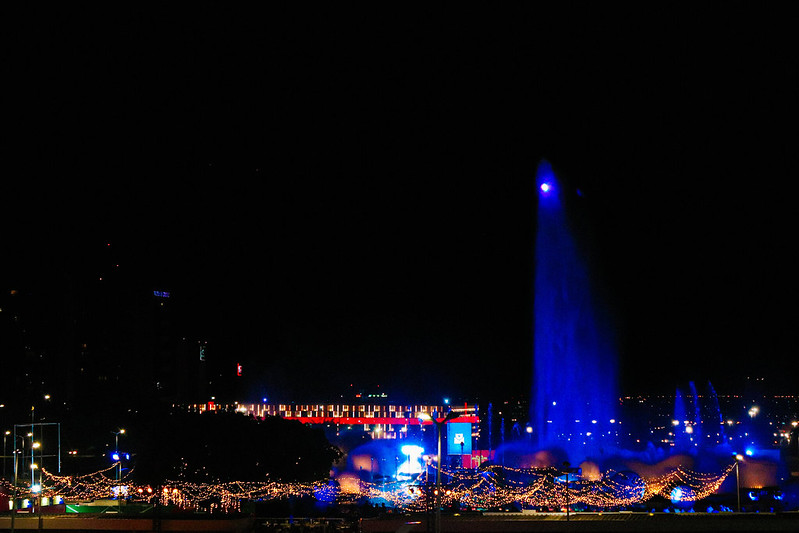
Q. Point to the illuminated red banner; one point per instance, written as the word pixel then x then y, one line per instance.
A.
pixel 351 420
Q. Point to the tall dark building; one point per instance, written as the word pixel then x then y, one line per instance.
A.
pixel 95 333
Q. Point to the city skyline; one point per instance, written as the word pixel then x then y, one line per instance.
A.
pixel 328 212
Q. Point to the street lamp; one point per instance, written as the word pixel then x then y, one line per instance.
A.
pixel 738 459
pixel 34 446
pixel 5 451
pixel 569 471
pixel 16 477
pixel 36 488
pixel 427 490
pixel 119 467
pixel 439 424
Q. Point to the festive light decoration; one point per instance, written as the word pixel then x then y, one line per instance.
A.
pixel 490 487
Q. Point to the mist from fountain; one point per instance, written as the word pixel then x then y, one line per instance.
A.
pixel 575 370
pixel 715 412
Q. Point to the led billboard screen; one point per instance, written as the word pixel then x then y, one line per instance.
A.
pixel 459 438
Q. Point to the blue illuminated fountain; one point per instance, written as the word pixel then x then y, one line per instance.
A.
pixel 704 426
pixel 715 412
pixel 574 383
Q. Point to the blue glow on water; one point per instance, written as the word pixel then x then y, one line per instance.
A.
pixel 629 484
pixel 682 494
pixel 326 494
pixel 574 356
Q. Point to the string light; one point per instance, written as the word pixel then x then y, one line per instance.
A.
pixel 490 487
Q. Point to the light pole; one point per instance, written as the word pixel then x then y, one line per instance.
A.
pixel 5 451
pixel 119 468
pixel 438 478
pixel 34 466
pixel 566 465
pixel 569 471
pixel 427 491
pixel 738 459
pixel 439 424
pixel 16 478
pixel 36 489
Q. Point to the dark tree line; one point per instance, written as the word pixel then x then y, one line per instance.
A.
pixel 223 446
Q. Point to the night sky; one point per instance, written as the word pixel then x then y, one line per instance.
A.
pixel 346 195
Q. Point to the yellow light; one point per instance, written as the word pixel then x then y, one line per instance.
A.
pixel 468 488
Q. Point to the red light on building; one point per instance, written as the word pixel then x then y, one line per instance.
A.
pixel 238 369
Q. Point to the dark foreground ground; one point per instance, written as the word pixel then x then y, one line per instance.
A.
pixel 489 523
pixel 592 522
pixel 111 524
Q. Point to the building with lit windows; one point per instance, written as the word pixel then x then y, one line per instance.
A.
pixel 380 420
pixel 377 421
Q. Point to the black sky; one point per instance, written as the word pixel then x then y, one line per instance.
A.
pixel 346 194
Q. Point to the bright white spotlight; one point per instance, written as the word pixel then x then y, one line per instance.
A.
pixel 413 450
